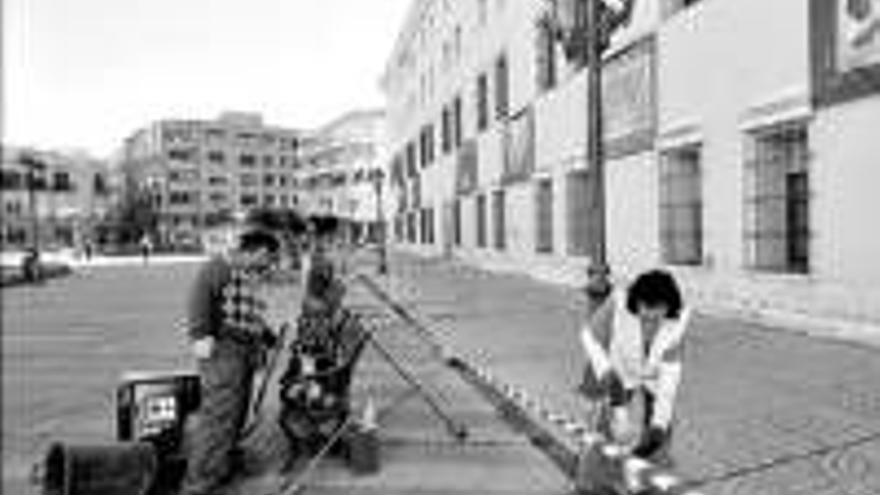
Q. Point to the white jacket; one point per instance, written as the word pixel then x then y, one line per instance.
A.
pixel 613 339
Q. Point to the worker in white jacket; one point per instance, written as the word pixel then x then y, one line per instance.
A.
pixel 634 345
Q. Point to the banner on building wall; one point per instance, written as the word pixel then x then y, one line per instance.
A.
pixel 629 100
pixel 844 50
pixel 858 33
pixel 519 146
pixel 466 168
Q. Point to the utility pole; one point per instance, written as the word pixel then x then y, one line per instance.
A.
pixel 586 27
pixel 33 165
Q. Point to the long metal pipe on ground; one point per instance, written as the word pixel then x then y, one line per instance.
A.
pixel 596 466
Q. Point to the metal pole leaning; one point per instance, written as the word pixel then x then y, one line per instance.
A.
pixel 457 430
pixel 424 333
pixel 595 466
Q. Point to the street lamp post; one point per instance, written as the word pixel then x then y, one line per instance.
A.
pixel 586 27
pixel 33 165
pixel 378 178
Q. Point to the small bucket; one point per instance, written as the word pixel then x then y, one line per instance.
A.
pixel 113 469
pixel 363 449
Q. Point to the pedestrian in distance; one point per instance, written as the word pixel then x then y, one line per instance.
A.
pixel 146 245
pixel 634 345
pixel 229 337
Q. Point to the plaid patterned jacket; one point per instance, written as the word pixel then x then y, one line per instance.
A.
pixel 226 302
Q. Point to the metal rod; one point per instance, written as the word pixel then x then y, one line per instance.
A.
pixel 456 430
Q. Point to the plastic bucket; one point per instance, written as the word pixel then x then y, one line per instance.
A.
pixel 112 469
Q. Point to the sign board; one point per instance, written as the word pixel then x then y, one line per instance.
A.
pixel 858 33
pixel 629 99
pixel 844 50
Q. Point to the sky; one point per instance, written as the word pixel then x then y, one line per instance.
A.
pixel 87 73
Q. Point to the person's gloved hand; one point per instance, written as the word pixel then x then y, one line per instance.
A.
pixel 203 348
pixel 652 440
pixel 613 386
pixel 268 338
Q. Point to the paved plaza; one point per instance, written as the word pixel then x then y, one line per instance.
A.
pixel 762 410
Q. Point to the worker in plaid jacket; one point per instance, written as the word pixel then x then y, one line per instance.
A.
pixel 229 336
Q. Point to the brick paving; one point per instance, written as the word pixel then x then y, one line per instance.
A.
pixel 762 411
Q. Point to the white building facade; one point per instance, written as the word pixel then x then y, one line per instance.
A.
pixel 740 143
pixel 342 170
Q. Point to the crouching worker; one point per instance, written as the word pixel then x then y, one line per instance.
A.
pixel 634 346
pixel 229 337
pixel 315 399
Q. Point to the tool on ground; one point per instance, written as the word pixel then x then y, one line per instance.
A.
pixel 456 430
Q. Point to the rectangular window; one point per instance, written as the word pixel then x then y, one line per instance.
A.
pixel 248 180
pixel 456 222
pixel 777 202
pixel 544 214
pixel 446 130
pixel 411 227
pixel 426 145
pixel 498 219
pixel 545 52
pixel 179 154
pixel 431 226
pixel 458 133
pixel 11 180
pixel 481 220
pixel 681 206
pixel 216 157
pixel 269 180
pixel 411 165
pixel 181 198
pixel 247 160
pixel 217 180
pixel 429 142
pixel 482 102
pixel 268 160
pixel 269 200
pixel 61 181
pixel 502 88
pixel 248 200
pixel 581 221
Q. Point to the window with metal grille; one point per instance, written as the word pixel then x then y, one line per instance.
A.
pixel 446 130
pixel 502 87
pixel 428 226
pixel 581 221
pixel 458 122
pixel 545 53
pixel 482 102
pixel 777 200
pixel 498 219
pixel 411 165
pixel 544 216
pixel 481 220
pixel 411 227
pixel 681 206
